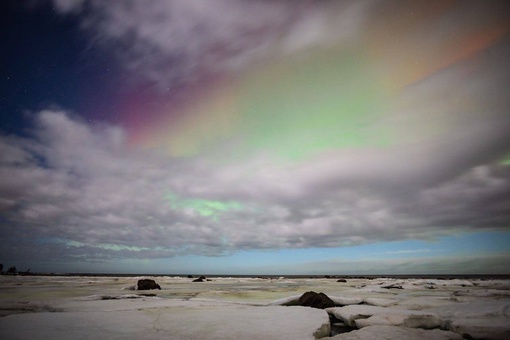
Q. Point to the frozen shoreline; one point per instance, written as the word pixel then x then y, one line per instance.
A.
pixel 243 307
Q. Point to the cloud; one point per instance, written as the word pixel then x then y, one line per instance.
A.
pixel 81 189
pixel 173 42
pixel 69 6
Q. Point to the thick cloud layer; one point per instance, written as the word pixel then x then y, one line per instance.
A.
pixel 80 189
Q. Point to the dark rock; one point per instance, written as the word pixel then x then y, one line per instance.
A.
pixel 315 300
pixel 146 284
pixel 341 280
pixel 190 276
pixel 201 279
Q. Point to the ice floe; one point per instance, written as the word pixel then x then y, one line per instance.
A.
pixel 359 316
pixel 393 333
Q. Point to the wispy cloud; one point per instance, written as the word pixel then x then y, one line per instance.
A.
pixel 407 251
pixel 169 42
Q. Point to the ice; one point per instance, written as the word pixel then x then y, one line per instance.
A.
pixel 171 321
pixel 411 320
pixel 484 328
pixel 338 300
pixel 393 333
pixel 116 297
pixel 479 319
pixel 251 308
pixel 381 302
pixel 359 316
pixel 287 301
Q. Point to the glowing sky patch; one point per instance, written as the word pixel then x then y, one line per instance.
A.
pixel 104 246
pixel 505 160
pixel 205 208
pixel 329 100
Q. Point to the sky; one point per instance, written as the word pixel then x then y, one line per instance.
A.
pixel 255 137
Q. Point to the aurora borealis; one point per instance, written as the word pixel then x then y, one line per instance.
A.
pixel 266 137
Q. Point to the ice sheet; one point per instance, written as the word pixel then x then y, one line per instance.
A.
pixel 235 308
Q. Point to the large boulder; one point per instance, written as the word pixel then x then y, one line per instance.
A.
pixel 146 284
pixel 316 300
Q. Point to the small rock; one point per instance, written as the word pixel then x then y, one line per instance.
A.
pixel 341 280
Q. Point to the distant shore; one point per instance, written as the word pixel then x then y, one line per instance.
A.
pixel 301 276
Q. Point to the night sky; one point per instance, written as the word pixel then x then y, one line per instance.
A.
pixel 255 137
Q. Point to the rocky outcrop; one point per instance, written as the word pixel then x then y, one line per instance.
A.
pixel 316 300
pixel 146 284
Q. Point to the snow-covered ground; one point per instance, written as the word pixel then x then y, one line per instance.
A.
pixel 252 308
